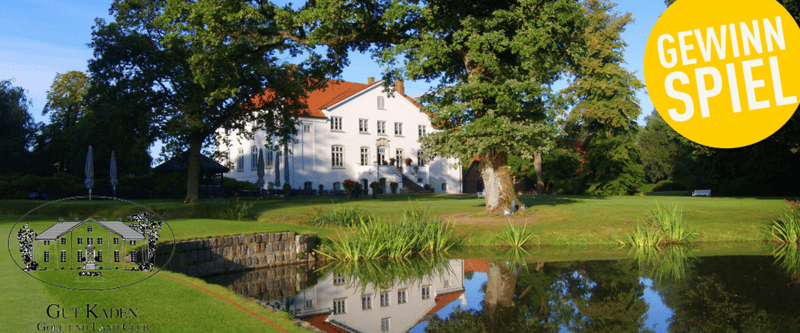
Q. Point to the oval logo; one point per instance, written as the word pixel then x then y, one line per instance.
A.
pixel 92 253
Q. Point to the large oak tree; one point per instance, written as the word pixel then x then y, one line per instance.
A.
pixel 192 68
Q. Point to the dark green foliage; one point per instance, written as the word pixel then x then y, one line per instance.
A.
pixel 664 153
pixel 18 128
pixel 606 106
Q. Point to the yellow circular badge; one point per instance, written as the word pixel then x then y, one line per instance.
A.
pixel 724 73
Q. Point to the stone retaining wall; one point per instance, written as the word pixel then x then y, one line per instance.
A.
pixel 268 284
pixel 203 257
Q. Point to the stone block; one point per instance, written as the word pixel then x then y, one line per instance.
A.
pixel 268 248
pixel 271 259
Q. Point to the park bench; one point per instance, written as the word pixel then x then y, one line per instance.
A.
pixel 481 195
pixel 706 193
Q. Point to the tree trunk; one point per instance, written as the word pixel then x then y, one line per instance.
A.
pixel 537 166
pixel 496 174
pixel 500 285
pixel 193 180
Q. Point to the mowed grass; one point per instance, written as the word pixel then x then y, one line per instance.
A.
pixel 552 220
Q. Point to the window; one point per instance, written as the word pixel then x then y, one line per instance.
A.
pixel 364 155
pixel 46 256
pixel 337 157
pixel 306 128
pixel 381 106
pixel 268 162
pixel 89 241
pixel 240 165
pixel 426 292
pixel 133 242
pixel 381 127
pixel 46 242
pixel 363 126
pixel 338 279
pixel 133 255
pixel 307 186
pixel 421 130
pixel 80 241
pixel 444 187
pixel 366 302
pixel 336 123
pixel 447 283
pixel 99 240
pixel 399 157
pixel 116 241
pixel 309 304
pixel 384 299
pixel 99 255
pixel 339 306
pixel 384 324
pixel 420 158
pixel 398 129
pixel 401 296
pixel 80 256
pixel 63 241
pixel 337 186
pixel 253 157
pixel 116 255
pixel 364 184
pixel 63 255
pixel 382 155
pixel 89 229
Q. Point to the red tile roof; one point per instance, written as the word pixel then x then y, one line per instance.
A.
pixel 318 321
pixel 441 302
pixel 476 265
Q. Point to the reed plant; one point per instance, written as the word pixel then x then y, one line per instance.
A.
pixel 786 229
pixel 788 257
pixel 342 216
pixel 664 226
pixel 514 236
pixel 372 238
pixel 669 262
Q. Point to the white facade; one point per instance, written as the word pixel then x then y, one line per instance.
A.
pixel 355 307
pixel 343 142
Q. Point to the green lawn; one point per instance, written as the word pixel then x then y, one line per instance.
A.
pixel 165 304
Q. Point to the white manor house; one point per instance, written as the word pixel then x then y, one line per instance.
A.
pixel 350 131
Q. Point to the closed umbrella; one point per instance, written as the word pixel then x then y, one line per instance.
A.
pixel 260 172
pixel 278 169
pixel 113 173
pixel 89 171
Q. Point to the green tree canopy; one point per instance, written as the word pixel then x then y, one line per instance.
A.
pixel 18 128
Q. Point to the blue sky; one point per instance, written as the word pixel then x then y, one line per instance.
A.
pixel 41 38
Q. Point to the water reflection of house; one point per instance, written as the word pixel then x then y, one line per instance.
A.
pixel 332 306
pixel 65 244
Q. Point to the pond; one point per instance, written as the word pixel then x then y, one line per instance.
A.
pixel 670 290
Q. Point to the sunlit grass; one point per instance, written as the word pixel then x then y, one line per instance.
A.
pixel 664 226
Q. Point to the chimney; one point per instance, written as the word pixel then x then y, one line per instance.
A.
pixel 370 80
pixel 400 87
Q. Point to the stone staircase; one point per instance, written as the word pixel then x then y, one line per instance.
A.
pixel 409 186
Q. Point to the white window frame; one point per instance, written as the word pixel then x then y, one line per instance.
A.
pixel 253 157
pixel 420 158
pixel 426 292
pixel 385 300
pixel 340 306
pixel 366 302
pixel 363 126
pixel 63 255
pixel 381 103
pixel 364 155
pixel 46 256
pixel 385 324
pixel 116 240
pixel 116 255
pixel 337 157
pixel 306 128
pixel 401 296
pixel 99 240
pixel 398 129
pixel 80 255
pixel 422 129
pixel 400 156
pixel 444 187
pixel 336 124
pixel 381 127
pixel 268 161
pixel 240 160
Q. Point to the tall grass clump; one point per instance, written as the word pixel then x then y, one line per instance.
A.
pixel 373 239
pixel 665 226
pixel 786 229
pixel 346 216
pixel 515 237
pixel 386 274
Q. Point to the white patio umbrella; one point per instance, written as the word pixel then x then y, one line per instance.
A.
pixel 89 171
pixel 260 172
pixel 113 173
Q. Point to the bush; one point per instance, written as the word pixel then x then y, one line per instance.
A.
pixel 666 226
pixel 786 229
